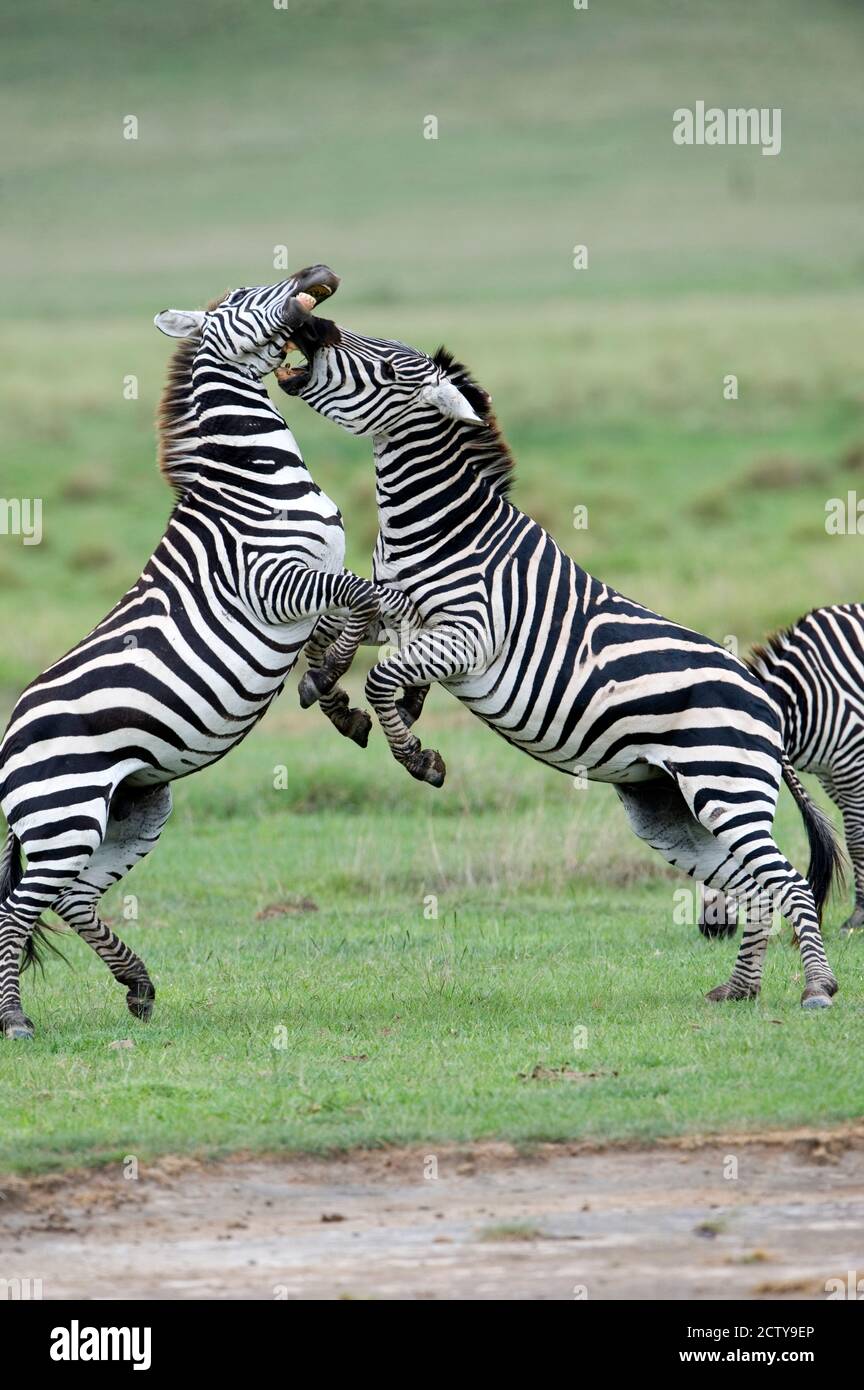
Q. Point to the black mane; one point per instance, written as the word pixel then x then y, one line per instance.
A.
pixel 492 459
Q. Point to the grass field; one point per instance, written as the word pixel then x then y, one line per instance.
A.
pixel 304 127
pixel 368 1020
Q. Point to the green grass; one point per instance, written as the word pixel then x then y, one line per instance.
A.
pixel 367 1021
pixel 304 127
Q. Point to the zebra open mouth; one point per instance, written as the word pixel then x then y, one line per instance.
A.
pixel 292 378
pixel 318 280
pixel 313 285
pixel 312 334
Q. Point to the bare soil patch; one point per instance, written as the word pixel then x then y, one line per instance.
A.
pixel 743 1216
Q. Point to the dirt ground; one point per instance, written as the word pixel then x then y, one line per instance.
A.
pixel 767 1216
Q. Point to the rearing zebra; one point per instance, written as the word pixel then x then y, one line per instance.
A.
pixel 814 672
pixel 555 661
pixel 191 657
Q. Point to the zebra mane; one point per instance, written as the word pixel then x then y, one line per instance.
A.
pixel 760 658
pixel 491 460
pixel 175 405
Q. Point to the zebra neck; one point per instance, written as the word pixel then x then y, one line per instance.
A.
pixel 428 483
pixel 221 433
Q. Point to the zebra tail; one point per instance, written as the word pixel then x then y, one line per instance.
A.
pixel 826 857
pixel 11 874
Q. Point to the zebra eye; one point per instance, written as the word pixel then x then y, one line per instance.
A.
pixel 388 370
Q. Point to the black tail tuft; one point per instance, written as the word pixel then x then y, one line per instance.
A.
pixel 11 868
pixel 826 857
pixel 11 874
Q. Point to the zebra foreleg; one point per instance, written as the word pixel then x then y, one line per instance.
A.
pixel 410 707
pixel 355 724
pixel 298 593
pixel 439 654
pixel 402 620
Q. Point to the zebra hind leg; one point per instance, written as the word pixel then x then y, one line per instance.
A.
pixel 660 816
pixel 847 791
pixel 61 849
pixel 79 910
pixel 135 822
pixel 745 832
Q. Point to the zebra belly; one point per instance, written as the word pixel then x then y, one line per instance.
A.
pixel 617 732
pixel 150 700
pixel 628 766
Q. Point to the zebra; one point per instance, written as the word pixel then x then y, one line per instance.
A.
pixel 554 660
pixel 192 656
pixel 814 671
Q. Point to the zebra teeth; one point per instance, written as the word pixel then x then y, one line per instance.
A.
pixel 320 292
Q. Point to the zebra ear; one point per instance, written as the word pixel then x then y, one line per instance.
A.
pixel 449 400
pixel 180 323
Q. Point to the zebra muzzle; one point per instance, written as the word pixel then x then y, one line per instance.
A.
pixel 319 281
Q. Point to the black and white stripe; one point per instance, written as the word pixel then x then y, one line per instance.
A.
pixel 552 659
pixel 814 673
pixel 191 657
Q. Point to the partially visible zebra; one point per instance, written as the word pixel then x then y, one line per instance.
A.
pixel 189 660
pixel 555 661
pixel 814 673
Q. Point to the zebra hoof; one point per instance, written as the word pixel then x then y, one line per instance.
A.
pixel 721 993
pixel 853 923
pixel 428 766
pixel 309 691
pixel 139 1001
pixel 18 1028
pixel 818 995
pixel 815 1001
pixel 358 727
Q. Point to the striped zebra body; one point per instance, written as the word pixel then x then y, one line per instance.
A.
pixel 814 673
pixel 192 656
pixel 554 660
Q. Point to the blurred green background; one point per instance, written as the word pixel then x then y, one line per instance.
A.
pixel 261 127
pixel 303 127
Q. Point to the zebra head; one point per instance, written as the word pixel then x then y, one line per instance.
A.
pixel 377 385
pixel 251 328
